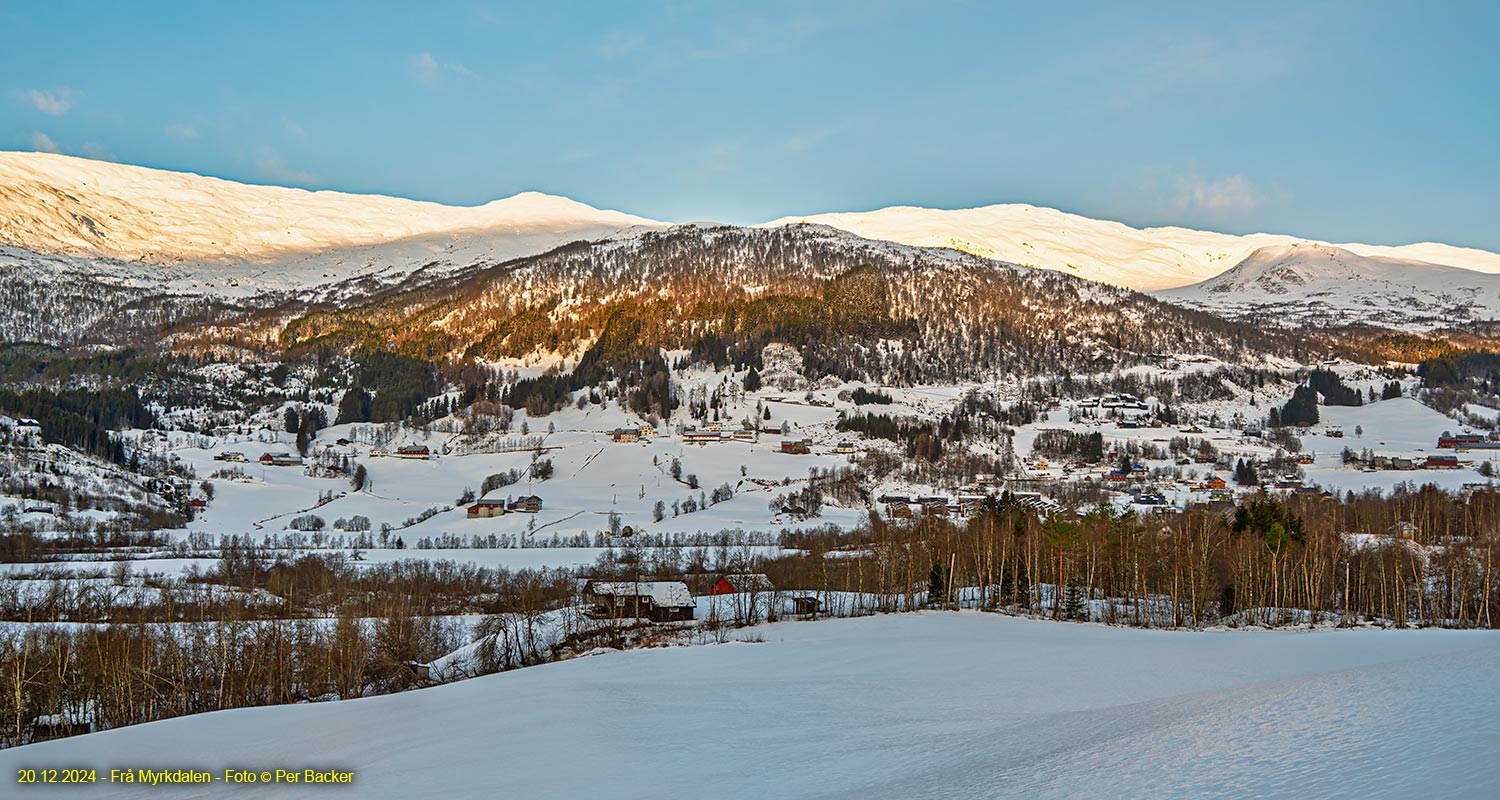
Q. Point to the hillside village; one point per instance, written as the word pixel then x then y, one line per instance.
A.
pixel 764 454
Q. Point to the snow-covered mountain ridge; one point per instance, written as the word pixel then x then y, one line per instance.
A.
pixel 1311 283
pixel 205 233
pixel 1100 250
pixel 89 249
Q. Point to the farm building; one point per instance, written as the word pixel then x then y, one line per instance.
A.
pixel 701 437
pixel 281 460
pixel 806 605
pixel 486 508
pixel 530 504
pixel 741 583
pixel 413 451
pixel 75 720
pixel 658 601
pixel 420 671
pixel 1450 442
pixel 626 435
pixel 796 447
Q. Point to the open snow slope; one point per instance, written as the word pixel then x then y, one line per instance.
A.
pixel 1101 250
pixel 1320 281
pixel 949 705
pixel 194 230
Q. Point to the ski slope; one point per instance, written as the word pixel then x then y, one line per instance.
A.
pixel 934 705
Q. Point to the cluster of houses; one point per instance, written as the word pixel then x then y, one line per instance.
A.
pixel 796 447
pixel 631 435
pixel 232 456
pixel 1401 464
pixel 1121 401
pixel 900 506
pixel 481 509
pixel 714 433
pixel 419 452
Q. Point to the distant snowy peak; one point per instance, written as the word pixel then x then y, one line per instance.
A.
pixel 1279 269
pixel 1311 282
pixel 64 205
pixel 1101 250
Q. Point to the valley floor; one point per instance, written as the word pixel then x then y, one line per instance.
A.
pixel 950 705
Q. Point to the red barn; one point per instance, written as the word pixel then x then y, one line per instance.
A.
pixel 1447 442
pixel 738 584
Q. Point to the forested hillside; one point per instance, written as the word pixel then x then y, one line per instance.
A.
pixel 857 308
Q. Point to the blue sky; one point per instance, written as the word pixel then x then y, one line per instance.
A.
pixel 1358 121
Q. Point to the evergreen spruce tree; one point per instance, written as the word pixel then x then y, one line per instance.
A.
pixel 937 583
pixel 1074 606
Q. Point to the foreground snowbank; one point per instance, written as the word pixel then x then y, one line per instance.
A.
pixel 914 705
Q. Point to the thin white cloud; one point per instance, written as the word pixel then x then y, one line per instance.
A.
pixel 272 166
pixel 294 129
pixel 97 152
pixel 42 143
pixel 182 132
pixel 426 69
pixel 1232 194
pixel 50 101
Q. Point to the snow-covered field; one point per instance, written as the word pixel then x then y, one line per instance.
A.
pixel 941 705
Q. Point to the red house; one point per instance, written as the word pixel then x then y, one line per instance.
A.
pixel 1446 442
pixel 738 584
